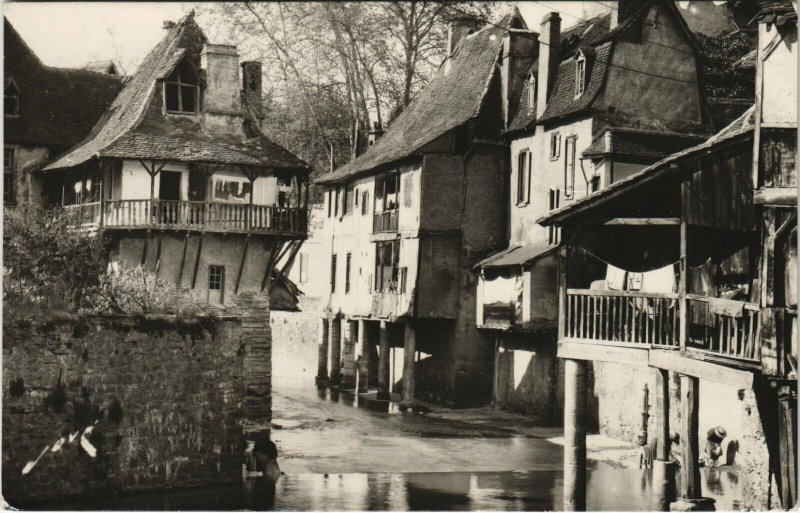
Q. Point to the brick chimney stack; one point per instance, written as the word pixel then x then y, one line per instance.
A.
pixel 519 51
pixel 252 88
pixel 458 30
pixel 375 133
pixel 222 95
pixel 549 41
pixel 623 11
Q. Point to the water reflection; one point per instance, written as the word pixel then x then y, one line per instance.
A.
pixel 608 489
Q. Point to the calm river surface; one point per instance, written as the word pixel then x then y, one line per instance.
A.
pixel 340 457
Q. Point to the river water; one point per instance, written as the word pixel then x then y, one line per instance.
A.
pixel 338 457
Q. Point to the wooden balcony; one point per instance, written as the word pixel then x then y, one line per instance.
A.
pixel 652 321
pixel 383 222
pixel 191 215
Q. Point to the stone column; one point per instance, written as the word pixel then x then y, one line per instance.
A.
pixel 363 367
pixel 384 362
pixel 409 360
pixel 574 435
pixel 349 356
pixel 335 342
pixel 322 363
pixel 663 473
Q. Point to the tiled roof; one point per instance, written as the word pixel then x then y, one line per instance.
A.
pixel 516 256
pixel 133 127
pixel 775 11
pixel 100 66
pixel 525 115
pixel 57 107
pixel 452 98
pixel 650 145
pixel 725 111
pixel 743 125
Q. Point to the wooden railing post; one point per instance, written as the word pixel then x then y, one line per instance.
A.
pixel 563 254
pixel 682 304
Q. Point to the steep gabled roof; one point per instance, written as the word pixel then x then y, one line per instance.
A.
pixel 134 128
pixel 57 106
pixel 453 97
pixel 639 144
pixel 739 128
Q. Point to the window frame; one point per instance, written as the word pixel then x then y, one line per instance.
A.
pixel 11 83
pixel 334 258
pixel 9 189
pixel 179 85
pixel 555 146
pixel 570 162
pixel 348 262
pixel 394 264
pixel 221 281
pixel 580 75
pixel 554 202
pixel 524 163
pixel 364 202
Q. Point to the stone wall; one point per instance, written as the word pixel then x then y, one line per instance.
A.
pixel 163 398
pixel 295 340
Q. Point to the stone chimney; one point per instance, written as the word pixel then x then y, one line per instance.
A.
pixel 221 64
pixel 623 11
pixel 252 88
pixel 375 133
pixel 519 51
pixel 459 29
pixel 549 40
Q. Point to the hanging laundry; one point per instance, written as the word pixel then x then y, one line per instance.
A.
pixel 659 281
pixel 87 446
pixel 725 307
pixel 615 278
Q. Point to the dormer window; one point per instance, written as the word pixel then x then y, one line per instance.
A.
pixel 181 90
pixel 11 99
pixel 531 92
pixel 580 74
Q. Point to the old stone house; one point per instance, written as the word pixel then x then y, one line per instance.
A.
pixel 601 101
pixel 171 164
pixel 406 221
pixel 46 111
pixel 719 220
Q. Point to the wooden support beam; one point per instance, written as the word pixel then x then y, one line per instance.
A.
pixel 673 361
pixel 563 260
pixel 144 250
pixel 322 358
pixel 690 446
pixel 183 259
pixel 634 221
pixel 158 251
pixel 779 196
pixel 409 379
pixel 197 259
pixel 241 264
pixel 662 414
pixel 683 324
pixel 274 248
pixel 384 369
pixel 574 435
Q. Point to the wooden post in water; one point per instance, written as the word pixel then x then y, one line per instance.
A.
pixel 409 353
pixel 690 447
pixel 335 333
pixel 663 473
pixel 574 435
pixel 349 356
pixel 383 363
pixel 363 363
pixel 322 358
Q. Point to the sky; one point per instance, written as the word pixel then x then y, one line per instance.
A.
pixel 71 34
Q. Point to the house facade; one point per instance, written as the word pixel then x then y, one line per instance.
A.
pixel 717 221
pixel 407 220
pixel 175 170
pixel 602 101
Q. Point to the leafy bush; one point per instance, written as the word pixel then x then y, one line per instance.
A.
pixel 717 57
pixel 47 262
pixel 131 291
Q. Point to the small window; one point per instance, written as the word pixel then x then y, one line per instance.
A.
pixel 595 183
pixel 347 273
pixel 216 284
pixel 8 176
pixel 580 75
pixel 336 201
pixel 403 279
pixel 387 255
pixel 569 167
pixel 552 231
pixel 333 274
pixel 11 99
pixel 531 92
pixel 364 202
pixel 303 278
pixel 523 178
pixel 181 90
pixel 555 145
pixel 347 206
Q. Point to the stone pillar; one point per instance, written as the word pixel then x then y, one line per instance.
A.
pixel 322 363
pixel 335 334
pixel 384 362
pixel 690 450
pixel 409 360
pixel 363 362
pixel 663 473
pixel 574 435
pixel 349 356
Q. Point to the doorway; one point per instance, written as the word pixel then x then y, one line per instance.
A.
pixel 169 190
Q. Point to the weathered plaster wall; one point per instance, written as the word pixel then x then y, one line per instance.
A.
pixel 617 401
pixel 165 400
pixel 779 81
pixel 217 249
pixel 295 339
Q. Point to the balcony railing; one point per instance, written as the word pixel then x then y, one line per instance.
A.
pixel 734 329
pixel 625 317
pixel 384 221
pixel 190 215
pixel 650 320
pixel 499 314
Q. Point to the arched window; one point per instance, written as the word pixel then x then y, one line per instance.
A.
pixel 580 74
pixel 531 92
pixel 11 99
pixel 181 90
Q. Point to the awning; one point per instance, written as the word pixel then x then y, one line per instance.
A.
pixel 515 256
